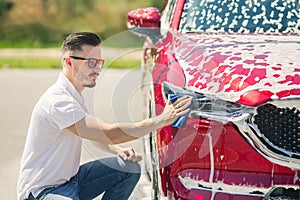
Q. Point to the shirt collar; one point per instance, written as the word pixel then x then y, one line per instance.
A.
pixel 65 82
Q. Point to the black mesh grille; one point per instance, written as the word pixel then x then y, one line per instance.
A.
pixel 281 193
pixel 280 126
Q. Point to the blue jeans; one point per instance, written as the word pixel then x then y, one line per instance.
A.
pixel 113 176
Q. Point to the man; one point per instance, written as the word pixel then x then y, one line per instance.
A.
pixel 50 166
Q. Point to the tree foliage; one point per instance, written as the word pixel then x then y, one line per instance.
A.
pixel 158 3
pixel 42 22
pixel 5 6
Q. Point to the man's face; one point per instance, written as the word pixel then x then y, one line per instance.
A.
pixel 84 71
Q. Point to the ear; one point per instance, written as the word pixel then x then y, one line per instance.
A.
pixel 68 61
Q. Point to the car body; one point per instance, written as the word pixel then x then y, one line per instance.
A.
pixel 239 61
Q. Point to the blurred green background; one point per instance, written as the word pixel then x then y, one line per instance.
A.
pixel 32 24
pixel 44 23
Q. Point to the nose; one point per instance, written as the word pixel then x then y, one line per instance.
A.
pixel 97 69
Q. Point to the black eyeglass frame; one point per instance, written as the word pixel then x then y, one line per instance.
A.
pixel 98 62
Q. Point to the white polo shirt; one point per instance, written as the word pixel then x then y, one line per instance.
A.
pixel 52 153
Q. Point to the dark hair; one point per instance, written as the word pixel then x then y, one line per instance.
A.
pixel 75 41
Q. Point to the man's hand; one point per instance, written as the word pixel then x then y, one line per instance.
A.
pixel 174 110
pixel 129 154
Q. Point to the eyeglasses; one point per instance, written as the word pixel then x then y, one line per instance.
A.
pixel 92 62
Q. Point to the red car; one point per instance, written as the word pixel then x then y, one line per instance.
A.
pixel 240 61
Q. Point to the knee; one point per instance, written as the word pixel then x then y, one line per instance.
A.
pixel 133 167
pixel 128 166
pixel 134 171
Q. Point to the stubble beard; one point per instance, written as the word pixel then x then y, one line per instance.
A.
pixel 89 85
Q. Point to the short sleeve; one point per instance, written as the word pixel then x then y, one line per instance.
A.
pixel 65 113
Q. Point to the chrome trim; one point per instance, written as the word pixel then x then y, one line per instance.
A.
pixel 247 130
pixel 250 131
pixel 220 187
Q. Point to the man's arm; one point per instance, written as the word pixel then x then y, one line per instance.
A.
pixel 95 129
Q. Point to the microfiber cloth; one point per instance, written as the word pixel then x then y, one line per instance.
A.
pixel 180 122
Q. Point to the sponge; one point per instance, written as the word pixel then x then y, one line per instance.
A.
pixel 180 122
